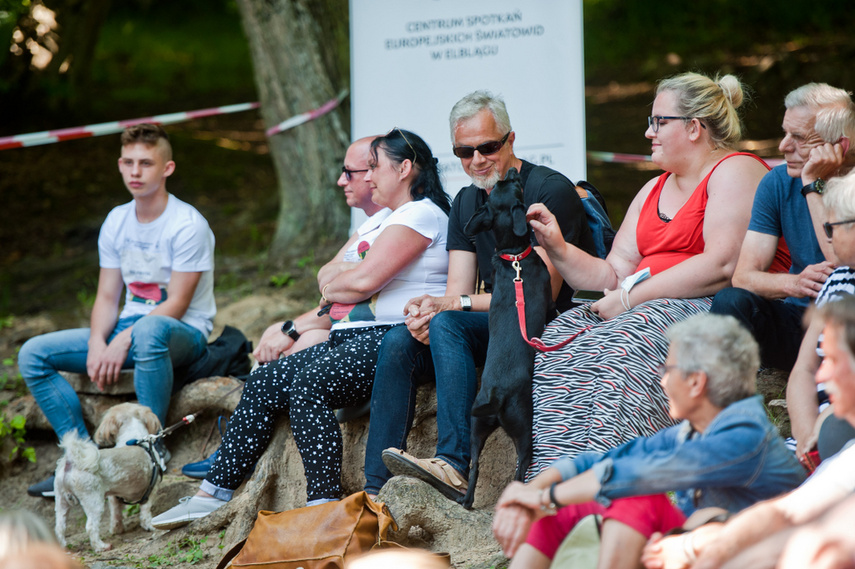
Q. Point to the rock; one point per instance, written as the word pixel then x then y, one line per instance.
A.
pixel 427 519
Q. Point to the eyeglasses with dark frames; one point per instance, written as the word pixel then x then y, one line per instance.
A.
pixel 349 173
pixel 829 227
pixel 653 121
pixel 484 149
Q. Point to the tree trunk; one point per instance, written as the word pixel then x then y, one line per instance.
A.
pixel 300 52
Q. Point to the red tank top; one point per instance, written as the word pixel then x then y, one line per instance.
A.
pixel 663 244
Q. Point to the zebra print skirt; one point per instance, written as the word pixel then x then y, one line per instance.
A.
pixel 602 389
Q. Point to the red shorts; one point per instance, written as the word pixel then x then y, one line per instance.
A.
pixel 644 514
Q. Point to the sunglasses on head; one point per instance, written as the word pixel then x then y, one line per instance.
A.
pixel 484 149
pixel 349 173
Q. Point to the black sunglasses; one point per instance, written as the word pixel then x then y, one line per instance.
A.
pixel 829 227
pixel 483 149
pixel 349 173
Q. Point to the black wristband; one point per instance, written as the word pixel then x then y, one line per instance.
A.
pixel 553 502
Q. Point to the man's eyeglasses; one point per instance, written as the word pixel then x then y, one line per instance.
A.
pixel 484 149
pixel 662 369
pixel 349 173
pixel 653 121
pixel 829 227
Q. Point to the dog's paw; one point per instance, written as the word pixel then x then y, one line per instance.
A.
pixel 101 546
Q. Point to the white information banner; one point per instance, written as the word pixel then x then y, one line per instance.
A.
pixel 411 60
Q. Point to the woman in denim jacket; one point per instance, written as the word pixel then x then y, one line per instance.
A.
pixel 725 455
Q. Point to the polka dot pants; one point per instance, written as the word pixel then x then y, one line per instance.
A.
pixel 307 386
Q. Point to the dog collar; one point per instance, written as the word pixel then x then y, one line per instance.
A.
pixel 519 257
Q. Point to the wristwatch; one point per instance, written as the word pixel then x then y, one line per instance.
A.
pixel 289 329
pixel 817 186
pixel 465 303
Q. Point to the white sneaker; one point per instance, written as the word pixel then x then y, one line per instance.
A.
pixel 189 508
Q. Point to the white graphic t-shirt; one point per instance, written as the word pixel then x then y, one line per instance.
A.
pixel 425 275
pixel 147 253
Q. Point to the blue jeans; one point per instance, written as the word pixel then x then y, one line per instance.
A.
pixel 157 344
pixel 775 324
pixel 458 344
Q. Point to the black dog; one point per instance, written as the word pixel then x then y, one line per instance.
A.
pixel 504 398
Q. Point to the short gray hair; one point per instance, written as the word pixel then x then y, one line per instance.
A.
pixel 20 529
pixel 839 196
pixel 723 349
pixel 474 103
pixel 835 111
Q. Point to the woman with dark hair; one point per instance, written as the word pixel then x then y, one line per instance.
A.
pixel 404 257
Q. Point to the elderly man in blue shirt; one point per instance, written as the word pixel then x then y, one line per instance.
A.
pixel 725 455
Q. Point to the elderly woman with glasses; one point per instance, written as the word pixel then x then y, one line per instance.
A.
pixel 676 247
pixel 803 402
pixel 404 257
pixel 724 456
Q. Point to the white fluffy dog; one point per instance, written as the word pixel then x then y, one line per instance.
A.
pixel 86 474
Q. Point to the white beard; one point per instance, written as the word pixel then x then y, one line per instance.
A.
pixel 486 182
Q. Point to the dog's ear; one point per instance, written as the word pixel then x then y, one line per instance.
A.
pixel 512 175
pixel 107 431
pixel 520 224
pixel 152 423
pixel 481 220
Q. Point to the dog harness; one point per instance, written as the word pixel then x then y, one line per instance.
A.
pixel 536 343
pixel 158 465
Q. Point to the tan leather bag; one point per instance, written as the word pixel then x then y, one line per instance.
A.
pixel 315 537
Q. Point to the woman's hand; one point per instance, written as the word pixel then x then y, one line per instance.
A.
pixel 665 552
pixel 546 228
pixel 610 305
pixel 511 524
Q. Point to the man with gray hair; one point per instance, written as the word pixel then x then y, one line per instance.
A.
pixel 817 125
pixel 446 337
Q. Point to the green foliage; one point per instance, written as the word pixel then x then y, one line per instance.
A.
pixel 187 550
pixel 14 430
pixel 167 53
pixel 14 382
pixel 306 260
pixel 281 280
pixel 222 537
pixel 132 509
pixel 641 34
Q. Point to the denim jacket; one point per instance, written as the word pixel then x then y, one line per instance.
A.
pixel 737 461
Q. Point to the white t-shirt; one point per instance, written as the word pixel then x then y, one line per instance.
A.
pixel 427 274
pixel 368 232
pixel 833 481
pixel 147 253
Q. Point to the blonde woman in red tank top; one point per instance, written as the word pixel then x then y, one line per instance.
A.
pixel 686 226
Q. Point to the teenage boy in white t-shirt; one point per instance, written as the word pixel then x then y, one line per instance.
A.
pixel 160 251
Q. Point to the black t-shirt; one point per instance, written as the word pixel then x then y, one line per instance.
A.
pixel 552 189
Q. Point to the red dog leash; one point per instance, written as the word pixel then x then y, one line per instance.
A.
pixel 536 343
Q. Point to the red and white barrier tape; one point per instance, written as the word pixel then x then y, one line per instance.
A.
pixel 308 116
pixel 51 136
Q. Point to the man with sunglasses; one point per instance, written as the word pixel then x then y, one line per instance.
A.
pixel 818 122
pixel 284 338
pixel 446 337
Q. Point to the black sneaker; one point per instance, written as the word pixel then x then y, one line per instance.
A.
pixel 43 489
